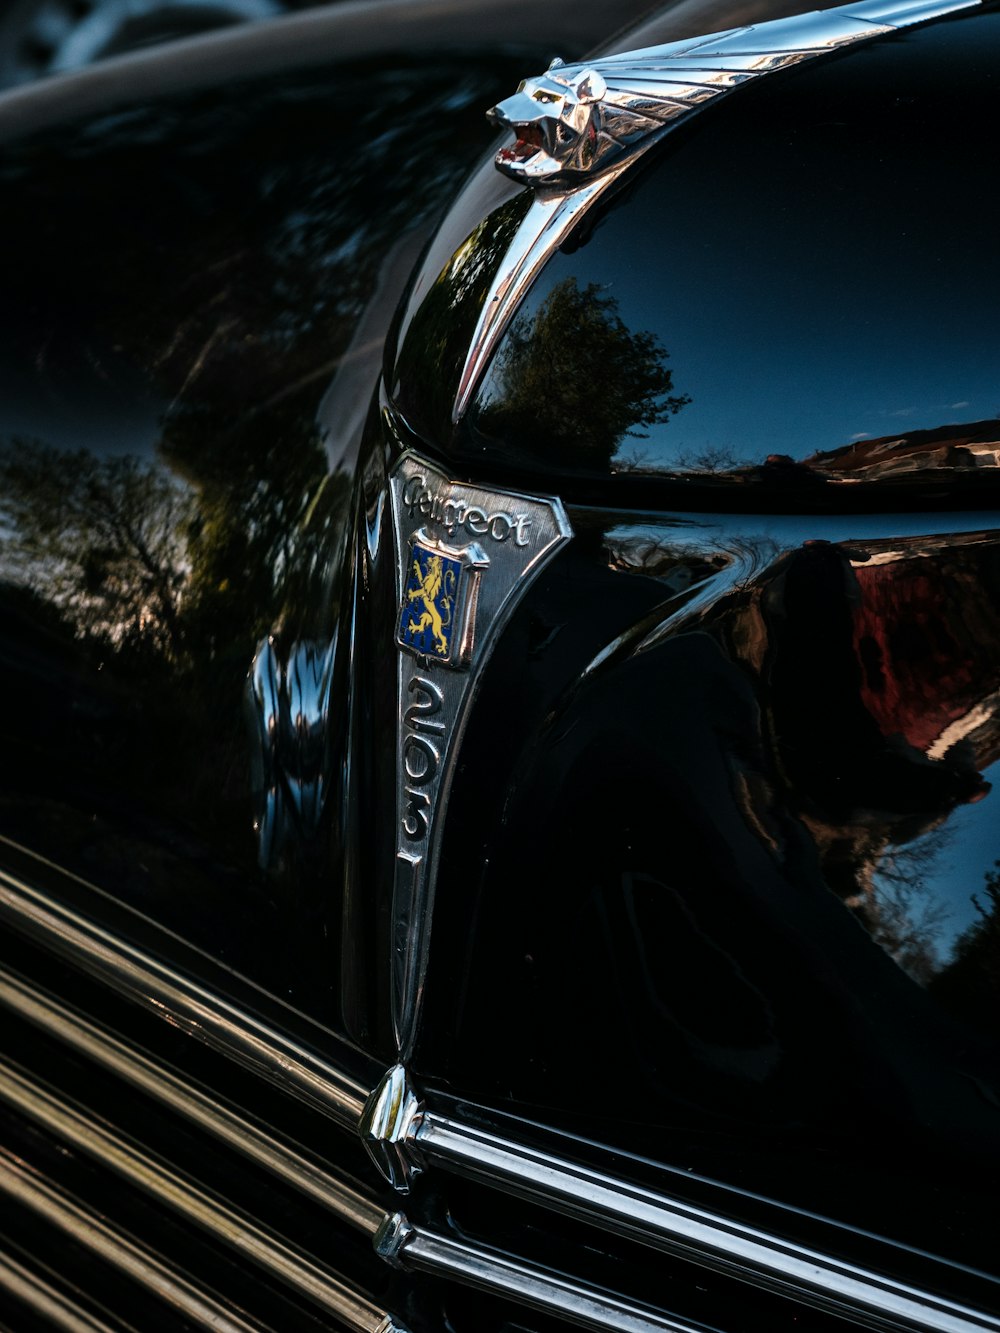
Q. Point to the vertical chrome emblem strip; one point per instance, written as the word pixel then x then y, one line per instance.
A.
pixel 465 556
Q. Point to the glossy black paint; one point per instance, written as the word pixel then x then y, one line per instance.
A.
pixel 705 894
pixel 781 295
pixel 174 480
pixel 692 872
pixel 734 915
pixel 701 794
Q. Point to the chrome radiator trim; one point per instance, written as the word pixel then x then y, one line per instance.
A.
pixel 405 1246
pixel 180 1095
pixel 611 1203
pixel 153 1177
pixel 694 1234
pixel 147 981
pixel 415 1249
pixel 91 1231
pixel 47 1300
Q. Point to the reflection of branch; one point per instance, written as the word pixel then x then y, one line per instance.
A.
pixel 324 372
pixel 632 460
pixel 712 460
pixel 162 582
pixel 104 539
pixel 972 982
pixel 903 913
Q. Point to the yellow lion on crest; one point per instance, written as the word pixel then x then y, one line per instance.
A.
pixel 428 591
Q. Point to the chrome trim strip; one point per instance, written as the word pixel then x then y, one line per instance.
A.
pixel 90 1230
pixel 209 1113
pixel 691 1233
pixel 181 1001
pixel 47 1300
pixel 297 1270
pixel 411 1248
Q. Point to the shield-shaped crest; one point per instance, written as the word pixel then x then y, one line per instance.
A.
pixel 440 591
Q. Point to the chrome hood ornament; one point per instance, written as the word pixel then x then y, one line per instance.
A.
pixel 578 127
pixel 560 122
pixel 575 121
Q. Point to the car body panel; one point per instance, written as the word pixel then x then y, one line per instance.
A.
pixel 716 887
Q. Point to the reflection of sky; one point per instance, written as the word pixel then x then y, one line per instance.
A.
pixel 795 371
pixel 832 387
pixel 765 384
pixel 960 869
pixel 101 406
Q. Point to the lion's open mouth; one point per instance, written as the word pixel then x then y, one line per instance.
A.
pixel 528 141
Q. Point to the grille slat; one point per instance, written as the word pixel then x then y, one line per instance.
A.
pixel 47 1302
pixel 677 1228
pixel 145 980
pixel 423 1249
pixel 551 1293
pixel 300 1271
pixel 210 1113
pixel 82 1224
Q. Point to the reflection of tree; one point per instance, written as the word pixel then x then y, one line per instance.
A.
pixel 576 350
pixel 254 487
pixel 902 911
pixel 169 574
pixel 105 538
pixel 135 558
pixel 713 460
pixel 217 303
pixel 972 982
pixel 475 262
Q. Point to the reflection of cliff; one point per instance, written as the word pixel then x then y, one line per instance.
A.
pixel 946 449
pixel 927 634
pixel 974 444
pixel 880 668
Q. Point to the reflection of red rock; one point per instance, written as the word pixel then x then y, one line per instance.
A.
pixel 927 642
pixel 974 444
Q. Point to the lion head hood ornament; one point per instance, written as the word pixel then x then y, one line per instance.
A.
pixel 558 123
pixel 577 128
pixel 576 121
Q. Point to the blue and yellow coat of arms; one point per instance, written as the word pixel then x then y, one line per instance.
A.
pixel 438 604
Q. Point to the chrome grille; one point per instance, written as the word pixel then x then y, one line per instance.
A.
pixel 293 1200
